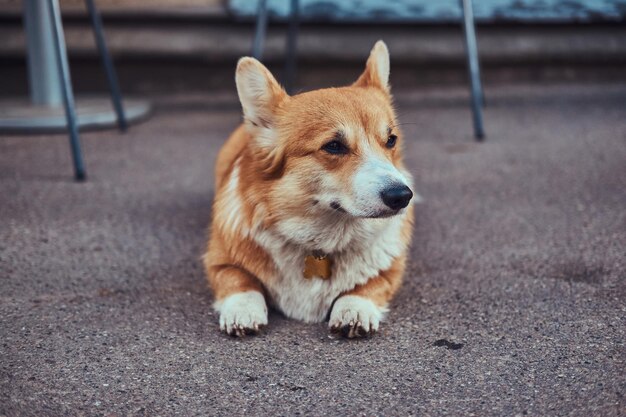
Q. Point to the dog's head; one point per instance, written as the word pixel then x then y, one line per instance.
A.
pixel 337 150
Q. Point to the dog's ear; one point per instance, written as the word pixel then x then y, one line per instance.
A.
pixel 259 93
pixel 376 72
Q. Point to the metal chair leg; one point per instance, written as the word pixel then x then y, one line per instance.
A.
pixel 473 68
pixel 292 40
pixel 259 33
pixel 107 63
pixel 66 85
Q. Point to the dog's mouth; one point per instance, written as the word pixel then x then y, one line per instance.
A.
pixel 336 206
pixel 384 214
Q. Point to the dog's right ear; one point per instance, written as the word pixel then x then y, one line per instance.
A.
pixel 376 72
pixel 259 93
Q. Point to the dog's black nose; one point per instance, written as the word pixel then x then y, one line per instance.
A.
pixel 397 196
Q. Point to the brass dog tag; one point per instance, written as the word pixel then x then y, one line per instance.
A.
pixel 317 266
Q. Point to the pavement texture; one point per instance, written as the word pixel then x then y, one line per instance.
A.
pixel 514 301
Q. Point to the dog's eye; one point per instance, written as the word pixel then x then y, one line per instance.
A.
pixel 391 141
pixel 335 147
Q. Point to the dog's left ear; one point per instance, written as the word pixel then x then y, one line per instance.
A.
pixel 259 93
pixel 376 72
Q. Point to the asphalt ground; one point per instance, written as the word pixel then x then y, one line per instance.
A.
pixel 514 301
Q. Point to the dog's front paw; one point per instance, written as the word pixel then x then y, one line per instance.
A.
pixel 243 313
pixel 355 316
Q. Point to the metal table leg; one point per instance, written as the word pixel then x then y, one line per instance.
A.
pixel 66 85
pixel 45 112
pixel 43 73
pixel 473 68
pixel 116 97
pixel 292 40
pixel 259 33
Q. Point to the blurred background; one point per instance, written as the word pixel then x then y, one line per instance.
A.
pixel 180 45
pixel 518 251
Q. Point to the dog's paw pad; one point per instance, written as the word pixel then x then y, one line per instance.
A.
pixel 355 316
pixel 243 313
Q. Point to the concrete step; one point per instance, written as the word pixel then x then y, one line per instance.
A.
pixel 200 50
pixel 218 38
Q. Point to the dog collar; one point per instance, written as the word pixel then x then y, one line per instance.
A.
pixel 318 265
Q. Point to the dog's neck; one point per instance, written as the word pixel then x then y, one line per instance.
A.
pixel 327 235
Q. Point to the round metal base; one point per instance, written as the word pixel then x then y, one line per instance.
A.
pixel 21 116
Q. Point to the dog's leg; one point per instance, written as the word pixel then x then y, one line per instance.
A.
pixel 357 313
pixel 240 301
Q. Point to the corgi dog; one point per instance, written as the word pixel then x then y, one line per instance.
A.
pixel 313 205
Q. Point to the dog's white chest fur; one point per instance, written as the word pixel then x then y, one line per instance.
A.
pixel 360 249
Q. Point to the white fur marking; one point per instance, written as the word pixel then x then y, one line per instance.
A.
pixel 382 67
pixel 232 207
pixel 229 213
pixel 241 311
pixel 355 311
